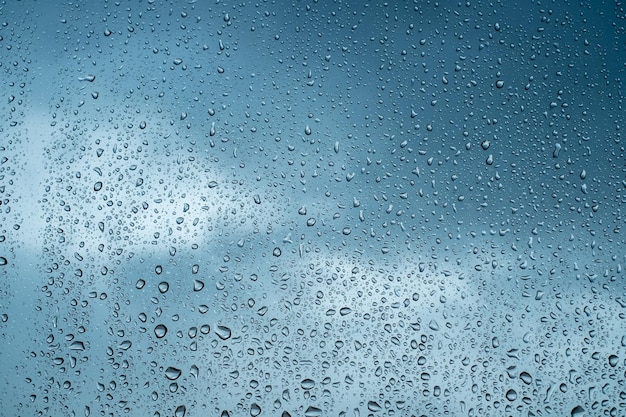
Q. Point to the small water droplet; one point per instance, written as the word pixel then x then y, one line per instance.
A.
pixel 526 378
pixel 160 331
pixel 198 285
pixel 172 373
pixel 223 332
pixel 164 286
pixel 511 395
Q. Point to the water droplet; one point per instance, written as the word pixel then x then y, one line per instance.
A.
pixel 526 378
pixel 172 373
pixel 307 384
pixel 181 410
pixel 198 285
pixel 312 411
pixel 255 410
pixel 160 331
pixel 164 286
pixel 373 406
pixel 344 311
pixel 125 345
pixel 77 345
pixel 511 395
pixel 223 332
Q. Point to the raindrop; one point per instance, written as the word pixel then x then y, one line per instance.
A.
pixel 198 285
pixel 172 373
pixel 312 411
pixel 344 311
pixel 511 395
pixel 125 345
pixel 255 410
pixel 194 371
pixel 181 410
pixel 160 331
pixel 307 384
pixel 164 286
pixel 373 406
pixel 526 378
pixel 77 345
pixel 223 332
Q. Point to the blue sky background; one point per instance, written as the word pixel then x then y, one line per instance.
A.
pixel 333 208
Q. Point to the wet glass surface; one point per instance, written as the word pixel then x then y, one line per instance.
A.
pixel 312 208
